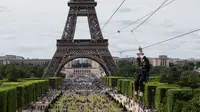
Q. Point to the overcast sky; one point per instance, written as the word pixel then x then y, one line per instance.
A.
pixel 30 28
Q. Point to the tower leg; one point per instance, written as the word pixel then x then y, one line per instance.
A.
pixel 94 26
pixel 52 67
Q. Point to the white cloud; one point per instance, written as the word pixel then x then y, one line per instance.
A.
pixel 41 22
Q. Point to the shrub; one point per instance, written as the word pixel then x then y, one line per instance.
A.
pixel 8 99
pixel 119 85
pixel 20 96
pixel 10 84
pixel 176 98
pixel 54 82
pixel 1 77
pixel 3 100
pixel 160 99
pixel 12 99
pixel 149 93
pixel 113 81
pixel 154 79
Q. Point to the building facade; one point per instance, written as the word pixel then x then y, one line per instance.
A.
pixel 95 68
pixel 162 60
pixel 19 60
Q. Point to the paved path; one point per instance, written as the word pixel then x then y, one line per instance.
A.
pixel 131 106
pixel 40 106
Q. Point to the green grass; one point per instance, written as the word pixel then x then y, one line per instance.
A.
pixel 5 82
pixel 73 106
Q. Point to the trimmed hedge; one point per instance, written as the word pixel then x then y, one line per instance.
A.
pixel 8 99
pixel 113 81
pixel 150 92
pixel 10 83
pixel 119 85
pixel 12 100
pixel 182 100
pixel 162 96
pixel 20 96
pixel 34 89
pixel 15 95
pixel 123 86
pixel 161 99
pixel 131 88
pixel 154 79
pixel 1 82
pixel 54 82
pixel 3 100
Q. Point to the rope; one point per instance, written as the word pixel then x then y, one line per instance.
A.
pixel 120 30
pixel 172 38
pixel 111 16
pixel 163 41
pixel 135 38
pixel 149 16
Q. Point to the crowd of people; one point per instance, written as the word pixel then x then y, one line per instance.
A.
pixel 43 103
pixel 78 93
pixel 82 101
pixel 83 93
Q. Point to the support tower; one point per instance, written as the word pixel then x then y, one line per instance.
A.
pixel 69 48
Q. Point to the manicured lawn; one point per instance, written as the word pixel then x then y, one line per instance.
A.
pixel 109 106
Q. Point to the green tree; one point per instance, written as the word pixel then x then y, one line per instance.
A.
pixel 171 75
pixel 3 70
pixel 126 68
pixel 21 71
pixel 194 79
pixel 188 66
pixel 12 73
pixel 190 79
pixel 1 77
pixel 157 70
pixel 171 65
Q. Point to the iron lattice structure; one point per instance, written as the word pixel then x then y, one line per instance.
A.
pixel 69 48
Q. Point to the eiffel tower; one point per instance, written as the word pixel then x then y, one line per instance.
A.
pixel 69 48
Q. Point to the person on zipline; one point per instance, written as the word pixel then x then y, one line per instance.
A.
pixel 142 73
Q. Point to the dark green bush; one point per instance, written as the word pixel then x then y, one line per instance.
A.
pixel 149 93
pixel 12 99
pixel 3 100
pixel 131 88
pixel 20 96
pixel 161 99
pixel 113 81
pixel 154 79
pixel 8 99
pixel 179 99
pixel 119 85
pixel 54 82
pixel 15 95
pixel 1 77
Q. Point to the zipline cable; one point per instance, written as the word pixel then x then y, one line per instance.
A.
pixel 163 41
pixel 149 16
pixel 113 14
pixel 171 38
pixel 165 1
pixel 135 38
pixel 111 17
pixel 139 19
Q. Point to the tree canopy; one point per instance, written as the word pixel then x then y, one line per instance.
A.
pixel 13 72
pixel 126 68
pixel 174 74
